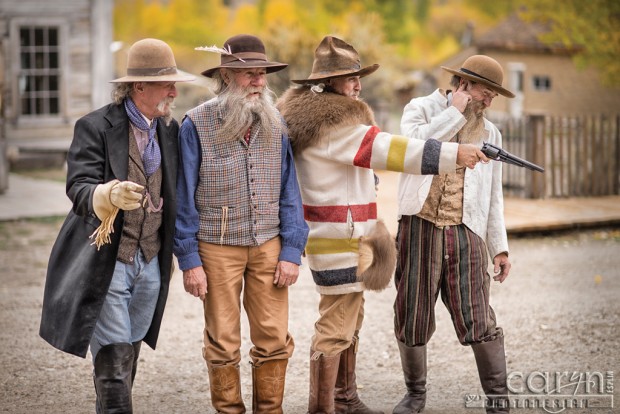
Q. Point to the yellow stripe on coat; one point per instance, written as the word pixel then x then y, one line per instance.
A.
pixel 317 245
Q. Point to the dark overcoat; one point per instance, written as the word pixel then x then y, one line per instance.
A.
pixel 78 276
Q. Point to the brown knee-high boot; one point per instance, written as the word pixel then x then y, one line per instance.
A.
pixel 113 365
pixel 491 362
pixel 345 396
pixel 323 371
pixel 268 386
pixel 413 361
pixel 225 385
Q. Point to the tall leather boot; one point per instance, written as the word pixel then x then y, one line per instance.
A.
pixel 346 399
pixel 413 361
pixel 491 362
pixel 136 355
pixel 268 386
pixel 225 385
pixel 113 365
pixel 323 372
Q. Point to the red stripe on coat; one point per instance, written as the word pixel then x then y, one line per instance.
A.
pixel 364 153
pixel 338 214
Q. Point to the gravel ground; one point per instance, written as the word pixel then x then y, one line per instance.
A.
pixel 559 310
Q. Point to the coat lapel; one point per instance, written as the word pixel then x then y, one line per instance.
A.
pixel 117 138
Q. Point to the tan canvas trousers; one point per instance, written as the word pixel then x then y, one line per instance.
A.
pixel 341 316
pixel 232 271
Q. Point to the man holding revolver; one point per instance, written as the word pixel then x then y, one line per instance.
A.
pixel 448 224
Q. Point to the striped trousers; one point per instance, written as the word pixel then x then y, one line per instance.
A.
pixel 452 260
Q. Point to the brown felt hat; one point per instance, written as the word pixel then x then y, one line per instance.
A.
pixel 152 60
pixel 242 51
pixel 483 69
pixel 334 58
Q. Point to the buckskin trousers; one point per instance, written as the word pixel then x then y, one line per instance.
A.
pixel 340 318
pixel 233 271
pixel 453 260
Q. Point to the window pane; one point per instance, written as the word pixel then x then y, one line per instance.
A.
pixel 39 59
pixel 53 37
pixel 29 84
pixel 40 83
pixel 25 60
pixel 54 106
pixel 53 83
pixel 53 57
pixel 26 106
pixel 39 36
pixel 40 106
pixel 24 36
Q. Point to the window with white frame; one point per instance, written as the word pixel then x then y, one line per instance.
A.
pixel 541 83
pixel 39 77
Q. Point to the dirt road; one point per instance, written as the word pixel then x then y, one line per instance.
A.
pixel 559 309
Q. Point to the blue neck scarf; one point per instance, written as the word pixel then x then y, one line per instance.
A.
pixel 151 159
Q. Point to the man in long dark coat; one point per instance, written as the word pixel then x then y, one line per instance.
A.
pixel 109 270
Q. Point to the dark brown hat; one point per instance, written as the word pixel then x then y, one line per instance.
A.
pixel 483 69
pixel 333 58
pixel 242 51
pixel 152 60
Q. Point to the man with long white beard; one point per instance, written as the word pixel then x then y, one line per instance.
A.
pixel 240 224
pixel 449 226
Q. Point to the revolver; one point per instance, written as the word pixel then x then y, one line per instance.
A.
pixel 498 154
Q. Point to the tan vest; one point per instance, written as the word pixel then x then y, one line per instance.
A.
pixel 141 227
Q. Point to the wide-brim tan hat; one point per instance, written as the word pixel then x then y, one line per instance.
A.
pixel 240 52
pixel 483 69
pixel 334 58
pixel 152 60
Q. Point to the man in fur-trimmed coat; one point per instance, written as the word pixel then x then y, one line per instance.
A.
pixel 336 146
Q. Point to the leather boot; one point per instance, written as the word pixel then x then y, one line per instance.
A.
pixel 136 355
pixel 268 386
pixel 491 362
pixel 346 399
pixel 413 361
pixel 225 385
pixel 113 365
pixel 323 372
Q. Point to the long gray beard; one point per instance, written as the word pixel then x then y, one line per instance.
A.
pixel 240 113
pixel 167 118
pixel 473 131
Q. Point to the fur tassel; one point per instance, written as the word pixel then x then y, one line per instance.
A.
pixel 377 258
pixel 220 50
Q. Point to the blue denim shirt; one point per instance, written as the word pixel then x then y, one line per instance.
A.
pixel 293 228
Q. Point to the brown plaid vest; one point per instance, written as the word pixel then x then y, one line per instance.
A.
pixel 238 194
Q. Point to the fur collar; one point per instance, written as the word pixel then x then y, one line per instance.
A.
pixel 310 115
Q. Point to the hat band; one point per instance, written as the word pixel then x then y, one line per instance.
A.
pixel 242 56
pixel 470 72
pixel 170 70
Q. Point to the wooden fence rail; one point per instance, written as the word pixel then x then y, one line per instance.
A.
pixel 580 154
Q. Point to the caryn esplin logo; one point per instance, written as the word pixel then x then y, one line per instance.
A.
pixel 554 392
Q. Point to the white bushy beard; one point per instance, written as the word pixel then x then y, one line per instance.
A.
pixel 166 106
pixel 241 112
pixel 472 132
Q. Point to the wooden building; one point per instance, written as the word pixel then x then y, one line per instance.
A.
pixel 55 63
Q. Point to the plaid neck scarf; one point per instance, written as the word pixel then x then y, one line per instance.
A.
pixel 152 156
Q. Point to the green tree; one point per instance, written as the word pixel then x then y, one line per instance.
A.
pixel 591 27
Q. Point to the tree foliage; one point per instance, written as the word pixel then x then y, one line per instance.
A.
pixel 592 27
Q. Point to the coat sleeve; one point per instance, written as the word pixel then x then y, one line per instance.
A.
pixel 367 147
pixel 418 123
pixel 85 165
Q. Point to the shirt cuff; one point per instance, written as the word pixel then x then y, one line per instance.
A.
pixel 189 261
pixel 290 254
